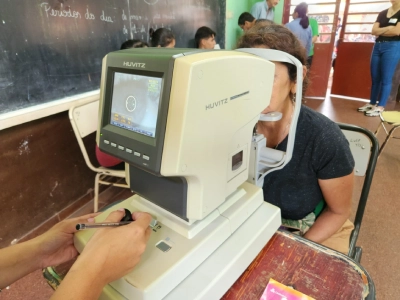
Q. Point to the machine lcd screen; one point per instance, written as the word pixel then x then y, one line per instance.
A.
pixel 135 101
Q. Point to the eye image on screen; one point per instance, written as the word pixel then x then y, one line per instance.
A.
pixel 135 101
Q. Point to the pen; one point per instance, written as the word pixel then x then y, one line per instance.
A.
pixel 83 226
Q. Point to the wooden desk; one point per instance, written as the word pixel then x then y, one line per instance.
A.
pixel 308 267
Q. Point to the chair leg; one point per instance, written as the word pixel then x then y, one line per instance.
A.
pixel 358 254
pixel 377 130
pixel 387 139
pixel 96 192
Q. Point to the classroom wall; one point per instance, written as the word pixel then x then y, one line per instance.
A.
pixel 234 9
pixel 42 175
pixel 232 32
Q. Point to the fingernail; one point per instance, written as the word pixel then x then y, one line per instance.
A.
pixel 121 209
pixel 91 220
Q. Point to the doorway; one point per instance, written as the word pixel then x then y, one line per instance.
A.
pixel 326 13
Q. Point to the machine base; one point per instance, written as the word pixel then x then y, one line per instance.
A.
pixel 219 271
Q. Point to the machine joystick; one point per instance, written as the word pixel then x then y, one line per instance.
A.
pixel 128 216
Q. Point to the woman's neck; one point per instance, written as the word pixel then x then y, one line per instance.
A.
pixel 395 6
pixel 276 131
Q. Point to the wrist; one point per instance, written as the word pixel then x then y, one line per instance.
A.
pixel 90 268
pixel 38 252
pixel 80 283
pixel 31 254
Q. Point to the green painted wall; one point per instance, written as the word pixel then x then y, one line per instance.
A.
pixel 233 10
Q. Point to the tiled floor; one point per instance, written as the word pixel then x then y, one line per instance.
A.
pixel 380 237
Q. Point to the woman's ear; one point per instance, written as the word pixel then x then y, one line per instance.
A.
pixel 294 85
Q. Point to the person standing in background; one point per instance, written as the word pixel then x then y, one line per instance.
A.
pixel 336 44
pixel 246 21
pixel 315 34
pixel 300 26
pixel 384 59
pixel 264 9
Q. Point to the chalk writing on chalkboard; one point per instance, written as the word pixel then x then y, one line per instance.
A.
pixel 53 49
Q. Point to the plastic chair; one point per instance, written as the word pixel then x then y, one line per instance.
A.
pixel 84 121
pixel 365 149
pixel 391 118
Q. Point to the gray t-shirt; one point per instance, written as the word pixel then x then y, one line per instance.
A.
pixel 321 151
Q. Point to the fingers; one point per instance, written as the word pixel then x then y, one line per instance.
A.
pixel 142 219
pixel 115 216
pixel 147 233
pixel 86 218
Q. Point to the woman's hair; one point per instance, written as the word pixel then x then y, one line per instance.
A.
pixel 133 44
pixel 161 37
pixel 264 22
pixel 203 33
pixel 277 37
pixel 301 10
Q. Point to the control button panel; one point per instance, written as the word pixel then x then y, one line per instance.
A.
pixel 129 151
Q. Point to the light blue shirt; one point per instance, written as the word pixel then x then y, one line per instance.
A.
pixel 304 35
pixel 260 10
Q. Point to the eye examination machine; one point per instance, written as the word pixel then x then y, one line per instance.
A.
pixel 183 120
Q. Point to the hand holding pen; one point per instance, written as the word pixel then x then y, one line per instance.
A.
pixel 127 219
pixel 109 255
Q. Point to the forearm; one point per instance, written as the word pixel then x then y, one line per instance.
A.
pixel 17 261
pixel 381 31
pixel 326 225
pixel 392 32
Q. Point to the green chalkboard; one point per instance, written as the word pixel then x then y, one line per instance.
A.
pixel 52 50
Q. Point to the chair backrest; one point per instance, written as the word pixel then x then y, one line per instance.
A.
pixel 360 146
pixel 365 148
pixel 84 119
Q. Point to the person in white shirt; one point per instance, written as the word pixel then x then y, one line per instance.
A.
pixel 264 9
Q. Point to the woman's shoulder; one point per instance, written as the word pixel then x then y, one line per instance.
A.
pixel 317 124
pixel 383 13
pixel 315 118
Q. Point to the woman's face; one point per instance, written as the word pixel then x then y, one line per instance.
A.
pixel 281 88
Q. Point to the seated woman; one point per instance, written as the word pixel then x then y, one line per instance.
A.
pixel 162 37
pixel 321 168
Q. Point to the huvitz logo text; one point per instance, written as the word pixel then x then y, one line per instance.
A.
pixel 134 65
pixel 217 103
